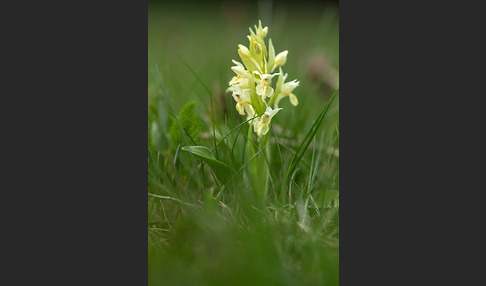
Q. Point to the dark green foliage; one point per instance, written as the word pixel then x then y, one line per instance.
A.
pixel 190 124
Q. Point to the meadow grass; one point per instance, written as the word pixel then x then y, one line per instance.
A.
pixel 204 230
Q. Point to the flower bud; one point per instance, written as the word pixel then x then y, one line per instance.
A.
pixel 249 61
pixel 281 58
pixel 244 50
pixel 264 32
pixel 258 48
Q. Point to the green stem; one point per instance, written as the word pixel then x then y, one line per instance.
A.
pixel 252 165
pixel 262 163
pixel 258 172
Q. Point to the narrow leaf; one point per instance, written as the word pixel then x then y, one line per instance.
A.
pixel 308 138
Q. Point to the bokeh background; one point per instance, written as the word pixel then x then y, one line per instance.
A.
pixel 206 248
pixel 206 36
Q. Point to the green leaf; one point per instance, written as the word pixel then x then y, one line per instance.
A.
pixel 190 123
pixel 223 171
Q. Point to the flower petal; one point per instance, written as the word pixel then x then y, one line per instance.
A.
pixel 273 112
pixel 240 71
pixel 260 90
pixel 238 63
pixel 268 92
pixel 288 87
pixel 293 99
pixel 249 109
pixel 263 129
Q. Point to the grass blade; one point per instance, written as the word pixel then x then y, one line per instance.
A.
pixel 211 96
pixel 308 138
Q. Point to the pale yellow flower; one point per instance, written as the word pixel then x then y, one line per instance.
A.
pixel 264 88
pixel 286 90
pixel 262 124
pixel 280 60
pixel 242 77
pixel 242 98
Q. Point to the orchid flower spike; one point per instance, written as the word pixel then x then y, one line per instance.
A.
pixel 251 87
pixel 286 90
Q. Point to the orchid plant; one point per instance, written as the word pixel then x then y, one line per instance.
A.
pixel 256 97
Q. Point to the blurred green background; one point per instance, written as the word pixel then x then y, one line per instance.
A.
pixel 206 36
pixel 241 247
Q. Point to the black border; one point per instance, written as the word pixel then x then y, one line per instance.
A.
pixel 77 133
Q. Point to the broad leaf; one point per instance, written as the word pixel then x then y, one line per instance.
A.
pixel 223 171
